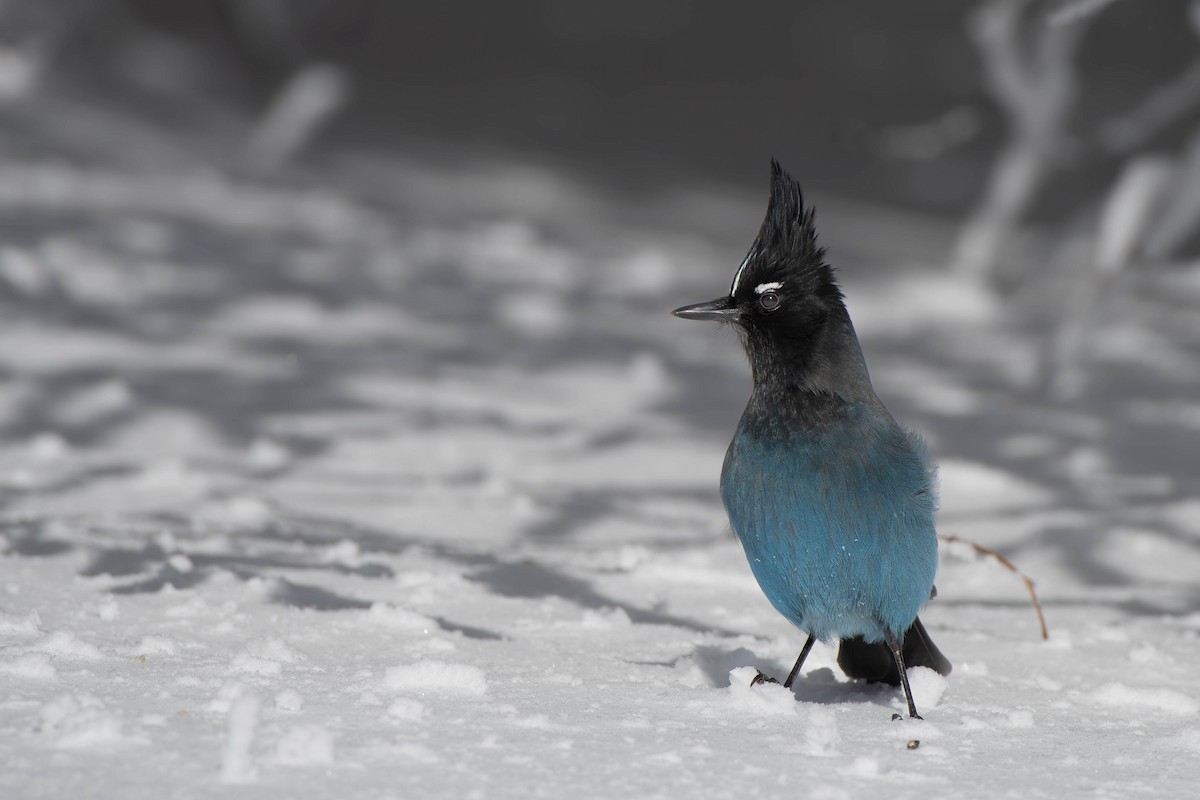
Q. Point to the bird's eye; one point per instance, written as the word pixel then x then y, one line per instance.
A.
pixel 769 301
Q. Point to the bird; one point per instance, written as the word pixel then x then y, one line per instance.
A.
pixel 832 499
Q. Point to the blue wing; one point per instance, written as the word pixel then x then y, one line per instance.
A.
pixel 836 521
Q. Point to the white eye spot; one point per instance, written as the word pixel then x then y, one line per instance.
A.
pixel 768 287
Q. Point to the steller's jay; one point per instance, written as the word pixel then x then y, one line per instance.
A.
pixel 832 500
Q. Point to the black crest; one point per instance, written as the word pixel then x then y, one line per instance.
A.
pixel 786 248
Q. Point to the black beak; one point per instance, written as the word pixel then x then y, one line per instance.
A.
pixel 721 310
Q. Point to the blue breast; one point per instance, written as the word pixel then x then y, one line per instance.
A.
pixel 836 518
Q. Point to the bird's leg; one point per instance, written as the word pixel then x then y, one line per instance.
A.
pixel 799 661
pixel 761 679
pixel 897 646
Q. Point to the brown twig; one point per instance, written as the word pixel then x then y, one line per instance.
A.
pixel 1011 568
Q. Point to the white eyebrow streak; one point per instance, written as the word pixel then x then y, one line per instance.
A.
pixel 737 276
pixel 768 287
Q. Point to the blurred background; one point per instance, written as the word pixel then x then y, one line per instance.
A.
pixel 352 194
pixel 903 104
pixel 920 107
pixel 1028 111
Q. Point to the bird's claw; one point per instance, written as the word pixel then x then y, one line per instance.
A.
pixel 896 717
pixel 760 679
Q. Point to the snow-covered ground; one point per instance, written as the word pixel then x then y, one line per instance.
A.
pixel 399 481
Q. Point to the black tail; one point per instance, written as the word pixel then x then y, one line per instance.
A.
pixel 874 662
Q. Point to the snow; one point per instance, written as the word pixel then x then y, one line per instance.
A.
pixel 81 722
pixel 337 493
pixel 436 677
pixel 765 700
pixel 30 666
pixel 927 687
pixel 305 746
pixel 1119 695
pixel 237 764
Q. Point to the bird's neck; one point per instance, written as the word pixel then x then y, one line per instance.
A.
pixel 824 361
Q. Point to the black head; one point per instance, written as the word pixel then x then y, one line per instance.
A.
pixel 783 287
pixel 786 305
pixel 783 294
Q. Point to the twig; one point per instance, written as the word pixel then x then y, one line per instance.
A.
pixel 1068 12
pixel 1126 223
pixel 1029 70
pixel 1164 107
pixel 1011 568
pixel 1176 223
pixel 309 99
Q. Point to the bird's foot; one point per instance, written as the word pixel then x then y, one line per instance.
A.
pixel 896 717
pixel 760 679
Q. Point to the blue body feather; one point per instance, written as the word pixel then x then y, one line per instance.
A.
pixel 832 500
pixel 835 515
